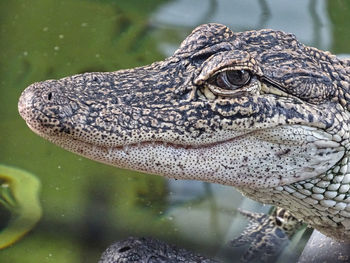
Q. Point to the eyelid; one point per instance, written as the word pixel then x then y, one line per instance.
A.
pixel 232 68
pixel 220 91
pixel 207 52
pixel 229 60
pixel 271 82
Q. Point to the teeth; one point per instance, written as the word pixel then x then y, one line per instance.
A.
pixel 153 144
pixel 165 144
pixel 139 145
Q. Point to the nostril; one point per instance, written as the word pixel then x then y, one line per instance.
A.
pixel 124 249
pixel 49 96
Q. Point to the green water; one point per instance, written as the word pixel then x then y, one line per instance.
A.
pixel 87 205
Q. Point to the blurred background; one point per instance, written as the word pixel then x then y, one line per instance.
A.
pixel 87 205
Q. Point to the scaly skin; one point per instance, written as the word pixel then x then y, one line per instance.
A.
pixel 149 250
pixel 266 235
pixel 257 110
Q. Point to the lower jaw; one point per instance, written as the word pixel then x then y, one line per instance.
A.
pixel 242 161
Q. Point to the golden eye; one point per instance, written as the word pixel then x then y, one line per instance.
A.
pixel 231 79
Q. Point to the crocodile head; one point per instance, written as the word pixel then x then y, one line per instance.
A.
pixel 254 109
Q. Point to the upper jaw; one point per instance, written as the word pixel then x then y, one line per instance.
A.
pixel 189 128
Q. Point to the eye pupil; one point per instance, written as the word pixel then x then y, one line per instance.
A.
pixel 232 79
pixel 237 77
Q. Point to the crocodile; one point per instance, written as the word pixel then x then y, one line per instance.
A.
pixel 256 110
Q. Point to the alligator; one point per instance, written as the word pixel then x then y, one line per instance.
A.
pixel 257 110
pixel 265 237
pixel 149 250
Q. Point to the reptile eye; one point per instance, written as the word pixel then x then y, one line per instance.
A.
pixel 232 79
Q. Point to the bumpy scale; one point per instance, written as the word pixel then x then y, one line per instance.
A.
pixel 257 110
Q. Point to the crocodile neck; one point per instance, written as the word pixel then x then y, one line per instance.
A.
pixel 256 110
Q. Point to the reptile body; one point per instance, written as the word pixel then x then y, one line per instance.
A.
pixel 149 250
pixel 256 110
pixel 266 235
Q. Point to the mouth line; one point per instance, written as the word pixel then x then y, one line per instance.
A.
pixel 58 137
pixel 68 140
pixel 246 155
pixel 156 143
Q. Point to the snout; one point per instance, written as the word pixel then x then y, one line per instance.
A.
pixel 25 102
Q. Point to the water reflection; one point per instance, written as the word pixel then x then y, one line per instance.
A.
pixel 308 20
